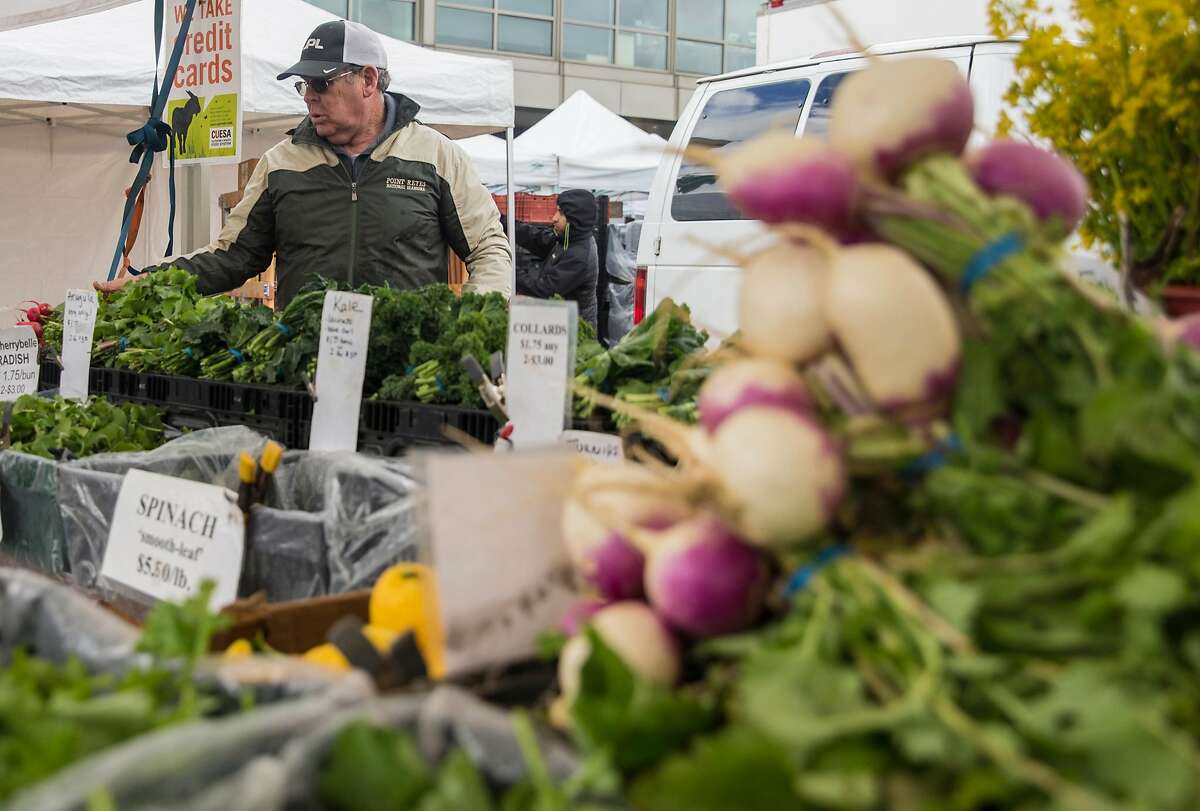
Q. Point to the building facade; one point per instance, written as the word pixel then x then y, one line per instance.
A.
pixel 640 58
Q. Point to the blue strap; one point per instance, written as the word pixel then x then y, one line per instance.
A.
pixel 155 135
pixel 664 394
pixel 187 350
pixel 987 258
pixel 440 385
pixel 237 355
pixel 801 577
pixel 934 458
pixel 282 327
pixel 122 344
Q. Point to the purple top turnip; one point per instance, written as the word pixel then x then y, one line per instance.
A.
pixel 896 112
pixel 704 581
pixel 777 177
pixel 750 382
pixel 895 325
pixel 781 472
pixel 604 499
pixel 636 635
pixel 781 310
pixel 579 614
pixel 1046 182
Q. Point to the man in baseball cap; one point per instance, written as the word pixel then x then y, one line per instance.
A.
pixel 362 192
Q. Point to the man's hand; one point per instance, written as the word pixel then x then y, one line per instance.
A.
pixel 114 285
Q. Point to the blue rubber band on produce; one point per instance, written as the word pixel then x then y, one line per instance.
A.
pixel 408 370
pixel 802 576
pixel 934 458
pixel 987 258
pixel 236 354
pixel 187 350
pixel 440 385
pixel 282 327
pixel 664 394
pixel 123 343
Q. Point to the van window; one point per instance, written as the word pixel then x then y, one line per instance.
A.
pixel 730 117
pixel 822 106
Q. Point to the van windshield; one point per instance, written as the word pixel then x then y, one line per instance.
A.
pixel 730 117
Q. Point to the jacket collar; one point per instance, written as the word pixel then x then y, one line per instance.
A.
pixel 406 113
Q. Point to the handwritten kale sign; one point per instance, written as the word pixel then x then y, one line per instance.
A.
pixel 341 368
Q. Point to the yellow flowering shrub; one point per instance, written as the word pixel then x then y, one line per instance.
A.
pixel 1121 98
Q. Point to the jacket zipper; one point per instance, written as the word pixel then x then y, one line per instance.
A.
pixel 353 230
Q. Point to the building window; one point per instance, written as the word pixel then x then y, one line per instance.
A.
pixel 337 7
pixel 631 33
pixel 715 35
pixel 517 26
pixel 392 18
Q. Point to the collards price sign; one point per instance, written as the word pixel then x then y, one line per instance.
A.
pixel 541 363
pixel 168 535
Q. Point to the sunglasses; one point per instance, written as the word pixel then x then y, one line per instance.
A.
pixel 322 85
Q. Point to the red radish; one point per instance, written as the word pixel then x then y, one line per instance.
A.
pixel 781 472
pixel 1048 183
pixel 893 113
pixel 34 314
pixel 636 635
pixel 777 177
pixel 750 382
pixel 578 615
pixel 45 309
pixel 704 580
pixel 781 307
pixel 605 498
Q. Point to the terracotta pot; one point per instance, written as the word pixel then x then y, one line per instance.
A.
pixel 1180 300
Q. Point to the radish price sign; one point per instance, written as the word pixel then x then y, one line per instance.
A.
pixel 18 362
pixel 341 368
pixel 541 363
pixel 79 324
pixel 168 535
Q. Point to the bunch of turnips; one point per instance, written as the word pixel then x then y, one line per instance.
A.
pixel 852 326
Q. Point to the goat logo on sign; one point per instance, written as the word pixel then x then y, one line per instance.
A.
pixel 181 121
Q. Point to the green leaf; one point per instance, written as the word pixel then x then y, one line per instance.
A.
pixel 372 768
pixel 638 723
pixel 459 787
pixel 734 769
pixel 1152 589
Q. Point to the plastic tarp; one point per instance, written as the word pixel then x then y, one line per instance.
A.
pixel 107 58
pixel 173 767
pixel 595 148
pixel 332 522
pixel 621 261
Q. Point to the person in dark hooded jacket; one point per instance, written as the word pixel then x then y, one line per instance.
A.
pixel 572 262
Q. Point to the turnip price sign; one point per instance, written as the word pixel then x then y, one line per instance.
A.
pixel 204 107
pixel 168 535
pixel 18 362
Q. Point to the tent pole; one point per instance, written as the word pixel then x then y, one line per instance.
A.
pixel 511 219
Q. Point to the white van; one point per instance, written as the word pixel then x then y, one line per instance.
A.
pixel 687 212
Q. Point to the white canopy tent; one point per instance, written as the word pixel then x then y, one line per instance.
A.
pixel 595 148
pixel 490 156
pixel 71 89
pixel 18 13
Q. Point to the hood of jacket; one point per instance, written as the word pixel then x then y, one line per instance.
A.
pixel 579 207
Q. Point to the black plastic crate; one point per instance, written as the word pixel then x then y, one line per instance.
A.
pixel 50 376
pixel 390 428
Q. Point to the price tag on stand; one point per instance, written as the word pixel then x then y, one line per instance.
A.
pixel 79 322
pixel 18 363
pixel 341 368
pixel 541 363
pixel 607 449
pixel 501 566
pixel 168 535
